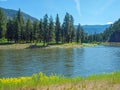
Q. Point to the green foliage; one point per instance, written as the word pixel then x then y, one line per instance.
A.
pixel 41 33
pixel 47 31
pixel 51 30
pixel 107 35
pixel 36 31
pixel 79 34
pixel 2 24
pixel 29 31
pixel 57 30
pixel 40 79
pixel 10 30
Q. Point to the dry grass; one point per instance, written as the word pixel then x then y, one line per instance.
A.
pixel 24 46
pixel 42 82
pixel 83 85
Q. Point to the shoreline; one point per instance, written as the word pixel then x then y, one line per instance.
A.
pixel 33 46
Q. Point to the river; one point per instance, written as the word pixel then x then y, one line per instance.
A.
pixel 70 62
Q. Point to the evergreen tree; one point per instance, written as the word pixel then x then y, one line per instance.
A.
pixel 72 30
pixel 57 29
pixel 68 28
pixel 51 30
pixel 41 28
pixel 10 30
pixel 79 35
pixel 63 33
pixel 36 31
pixel 45 32
pixel 28 32
pixel 2 24
pixel 17 31
pixel 20 27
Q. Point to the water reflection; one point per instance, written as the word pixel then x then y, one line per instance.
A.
pixel 67 62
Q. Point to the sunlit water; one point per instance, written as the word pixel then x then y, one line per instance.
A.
pixel 67 62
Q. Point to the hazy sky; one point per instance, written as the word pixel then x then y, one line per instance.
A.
pixel 83 11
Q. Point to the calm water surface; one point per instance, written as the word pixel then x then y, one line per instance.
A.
pixel 67 62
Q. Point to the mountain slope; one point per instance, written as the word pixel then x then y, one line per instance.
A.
pixel 10 13
pixel 112 34
pixel 91 29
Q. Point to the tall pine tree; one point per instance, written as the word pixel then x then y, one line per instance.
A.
pixel 41 28
pixel 51 30
pixel 79 34
pixel 45 32
pixel 2 24
pixel 10 34
pixel 36 31
pixel 57 30
pixel 28 31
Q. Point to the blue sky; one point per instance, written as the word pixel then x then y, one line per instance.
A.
pixel 84 11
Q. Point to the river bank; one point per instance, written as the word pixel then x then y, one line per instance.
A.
pixel 31 46
pixel 53 82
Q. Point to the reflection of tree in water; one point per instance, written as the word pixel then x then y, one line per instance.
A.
pixel 78 57
pixel 116 61
pixel 16 63
pixel 57 61
pixel 2 64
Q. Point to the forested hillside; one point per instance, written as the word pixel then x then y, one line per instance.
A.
pixel 112 34
pixel 10 13
pixel 92 29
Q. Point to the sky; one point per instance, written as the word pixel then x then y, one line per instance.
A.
pixel 85 12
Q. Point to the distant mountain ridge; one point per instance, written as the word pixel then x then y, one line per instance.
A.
pixel 10 13
pixel 91 29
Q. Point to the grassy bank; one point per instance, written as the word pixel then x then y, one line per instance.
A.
pixel 111 43
pixel 40 45
pixel 42 82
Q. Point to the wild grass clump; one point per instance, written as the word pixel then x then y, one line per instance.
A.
pixel 35 80
pixel 41 80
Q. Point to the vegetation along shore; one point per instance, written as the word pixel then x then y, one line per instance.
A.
pixel 33 46
pixel 54 82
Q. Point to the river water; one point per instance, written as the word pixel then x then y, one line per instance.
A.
pixel 70 62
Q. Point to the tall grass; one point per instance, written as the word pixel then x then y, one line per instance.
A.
pixel 40 80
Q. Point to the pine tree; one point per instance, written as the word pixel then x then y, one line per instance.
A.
pixel 20 27
pixel 28 31
pixel 41 28
pixel 45 32
pixel 67 27
pixel 17 30
pixel 57 30
pixel 51 30
pixel 72 30
pixel 63 33
pixel 10 30
pixel 79 34
pixel 2 24
pixel 36 31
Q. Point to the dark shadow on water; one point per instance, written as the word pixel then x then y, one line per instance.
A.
pixel 35 46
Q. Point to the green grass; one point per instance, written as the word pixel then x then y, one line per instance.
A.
pixel 41 80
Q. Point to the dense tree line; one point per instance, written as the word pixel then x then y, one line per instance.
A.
pixel 47 31
pixel 112 33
